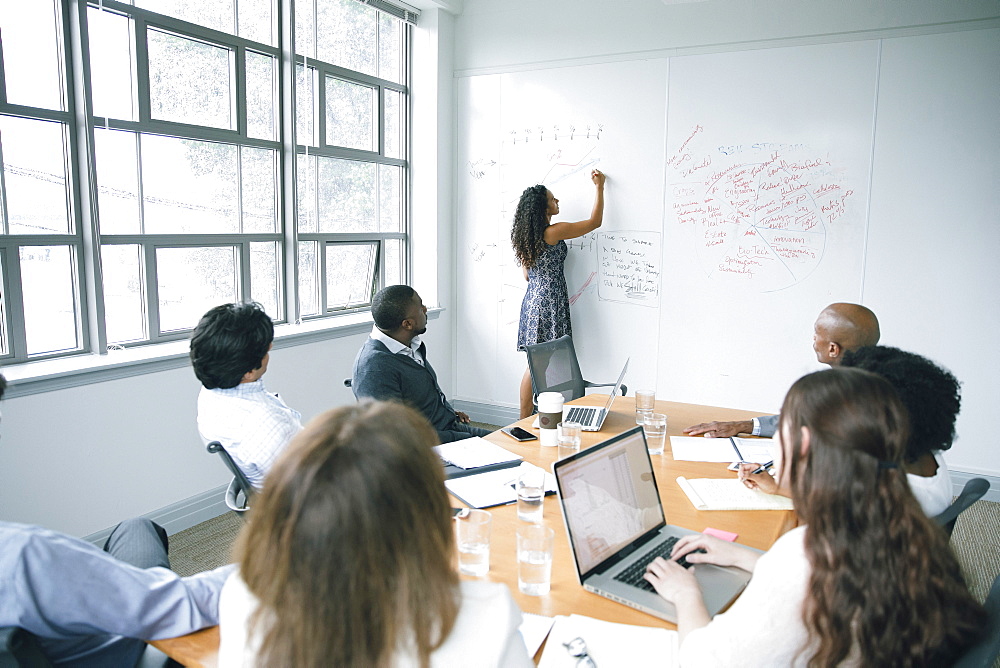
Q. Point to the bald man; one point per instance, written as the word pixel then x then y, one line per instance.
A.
pixel 839 328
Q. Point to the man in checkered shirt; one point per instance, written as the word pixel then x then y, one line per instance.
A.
pixel 230 351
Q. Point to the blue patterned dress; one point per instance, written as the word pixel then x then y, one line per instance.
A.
pixel 545 309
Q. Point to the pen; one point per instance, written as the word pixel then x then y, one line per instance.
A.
pixel 762 468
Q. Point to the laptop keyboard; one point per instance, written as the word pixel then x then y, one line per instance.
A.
pixel 584 416
pixel 633 574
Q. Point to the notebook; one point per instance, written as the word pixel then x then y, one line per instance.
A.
pixel 729 494
pixel 614 518
pixel 590 418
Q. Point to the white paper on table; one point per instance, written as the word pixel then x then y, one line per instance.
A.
pixel 472 453
pixel 701 449
pixel 729 494
pixel 493 488
pixel 534 628
pixel 609 644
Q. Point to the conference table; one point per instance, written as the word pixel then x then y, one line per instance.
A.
pixel 758 529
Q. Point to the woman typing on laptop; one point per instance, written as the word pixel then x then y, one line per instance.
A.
pixel 868 579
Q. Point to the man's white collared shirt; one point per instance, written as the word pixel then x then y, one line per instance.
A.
pixel 253 425
pixel 396 348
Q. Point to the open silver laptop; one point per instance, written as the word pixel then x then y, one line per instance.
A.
pixel 615 520
pixel 591 418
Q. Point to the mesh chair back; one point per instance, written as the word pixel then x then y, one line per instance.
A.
pixel 554 368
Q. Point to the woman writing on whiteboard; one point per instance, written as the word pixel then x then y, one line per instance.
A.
pixel 866 579
pixel 540 249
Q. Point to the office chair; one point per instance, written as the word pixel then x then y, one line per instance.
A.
pixel 984 653
pixel 20 648
pixel 554 368
pixel 239 484
pixel 972 492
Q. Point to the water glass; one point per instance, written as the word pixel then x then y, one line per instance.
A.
pixel 534 559
pixel 568 438
pixel 654 426
pixel 530 495
pixel 645 402
pixel 473 536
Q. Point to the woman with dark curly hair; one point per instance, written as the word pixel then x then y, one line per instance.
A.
pixel 868 580
pixel 932 396
pixel 540 249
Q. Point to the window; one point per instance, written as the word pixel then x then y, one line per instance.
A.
pixel 158 180
pixel 350 169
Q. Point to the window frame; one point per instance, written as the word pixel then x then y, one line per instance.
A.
pixel 83 179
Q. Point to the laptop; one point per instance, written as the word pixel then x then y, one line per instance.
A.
pixel 589 417
pixel 614 518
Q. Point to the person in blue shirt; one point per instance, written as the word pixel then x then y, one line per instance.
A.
pixel 93 607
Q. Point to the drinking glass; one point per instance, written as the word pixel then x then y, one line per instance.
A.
pixel 530 495
pixel 654 426
pixel 645 402
pixel 534 559
pixel 568 438
pixel 473 537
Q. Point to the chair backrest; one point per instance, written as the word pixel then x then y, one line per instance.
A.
pixel 984 653
pixel 554 368
pixel 972 492
pixel 240 482
pixel 20 649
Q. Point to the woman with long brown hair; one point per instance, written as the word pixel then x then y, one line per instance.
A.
pixel 347 559
pixel 540 248
pixel 868 580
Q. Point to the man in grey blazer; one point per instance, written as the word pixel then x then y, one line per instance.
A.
pixel 839 328
pixel 393 364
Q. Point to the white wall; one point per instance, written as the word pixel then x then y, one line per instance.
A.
pixel 82 459
pixel 512 34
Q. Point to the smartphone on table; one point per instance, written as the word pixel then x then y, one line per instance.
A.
pixel 519 434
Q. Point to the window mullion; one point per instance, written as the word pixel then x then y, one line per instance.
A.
pixel 246 285
pixel 152 291
pixel 14 300
pixel 287 170
pixel 142 69
pixel 83 190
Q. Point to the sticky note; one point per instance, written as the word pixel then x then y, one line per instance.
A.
pixel 719 533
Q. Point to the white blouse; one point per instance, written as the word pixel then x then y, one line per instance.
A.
pixel 485 633
pixel 934 493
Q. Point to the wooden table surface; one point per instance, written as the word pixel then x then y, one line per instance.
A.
pixel 758 529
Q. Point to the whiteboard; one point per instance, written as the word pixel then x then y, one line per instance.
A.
pixel 553 127
pixel 768 164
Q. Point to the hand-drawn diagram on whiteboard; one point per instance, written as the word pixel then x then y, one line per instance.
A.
pixel 546 155
pixel 759 212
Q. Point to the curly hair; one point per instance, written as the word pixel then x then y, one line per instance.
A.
pixel 931 394
pixel 884 584
pixel 527 234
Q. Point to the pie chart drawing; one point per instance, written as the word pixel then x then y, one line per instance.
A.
pixel 763 222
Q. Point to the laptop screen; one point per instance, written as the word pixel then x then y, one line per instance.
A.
pixel 609 497
pixel 617 387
